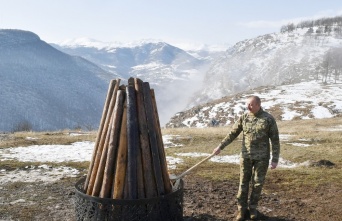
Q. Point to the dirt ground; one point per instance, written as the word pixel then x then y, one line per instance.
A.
pixel 208 200
pixel 203 200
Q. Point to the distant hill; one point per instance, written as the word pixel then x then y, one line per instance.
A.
pixel 302 63
pixel 45 89
pixel 302 52
pixel 305 100
pixel 175 74
pixel 51 88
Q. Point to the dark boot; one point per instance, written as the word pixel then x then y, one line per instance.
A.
pixel 241 214
pixel 253 213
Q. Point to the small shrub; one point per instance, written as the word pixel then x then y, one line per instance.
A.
pixel 24 125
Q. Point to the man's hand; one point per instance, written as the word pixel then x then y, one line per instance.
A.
pixel 274 165
pixel 217 150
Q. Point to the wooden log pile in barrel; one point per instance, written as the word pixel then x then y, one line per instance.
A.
pixel 128 160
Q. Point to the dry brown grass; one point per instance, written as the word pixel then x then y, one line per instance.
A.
pixel 307 184
pixel 322 135
pixel 44 138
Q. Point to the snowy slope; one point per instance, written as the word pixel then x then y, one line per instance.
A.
pixel 144 58
pixel 271 59
pixel 45 88
pixel 305 100
pixel 173 73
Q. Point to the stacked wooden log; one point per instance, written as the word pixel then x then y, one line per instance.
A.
pixel 128 160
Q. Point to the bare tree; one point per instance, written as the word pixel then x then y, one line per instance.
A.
pixel 326 25
pixel 23 125
pixel 291 27
pixel 336 58
pixel 331 64
pixel 327 60
pixel 283 29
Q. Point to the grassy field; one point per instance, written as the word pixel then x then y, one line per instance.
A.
pixel 302 193
pixel 318 188
pixel 322 138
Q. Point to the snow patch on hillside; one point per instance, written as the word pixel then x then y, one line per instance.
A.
pixel 305 100
pixel 268 60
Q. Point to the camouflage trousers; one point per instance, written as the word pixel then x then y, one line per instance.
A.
pixel 255 171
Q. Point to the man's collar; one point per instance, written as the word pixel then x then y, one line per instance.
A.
pixel 257 113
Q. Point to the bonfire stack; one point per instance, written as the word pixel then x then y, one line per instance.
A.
pixel 128 160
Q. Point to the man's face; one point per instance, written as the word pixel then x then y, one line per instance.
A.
pixel 253 106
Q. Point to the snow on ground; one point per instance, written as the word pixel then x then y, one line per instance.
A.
pixel 235 159
pixel 173 161
pixel 168 141
pixel 284 136
pixel 300 144
pixel 82 151
pixel 42 173
pixel 76 152
pixel 312 92
pixel 193 154
pixel 319 101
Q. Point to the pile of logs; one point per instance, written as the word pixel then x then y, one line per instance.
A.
pixel 128 160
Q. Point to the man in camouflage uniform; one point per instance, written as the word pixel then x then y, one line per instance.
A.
pixel 258 128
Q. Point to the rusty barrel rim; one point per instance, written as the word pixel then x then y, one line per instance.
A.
pixel 80 192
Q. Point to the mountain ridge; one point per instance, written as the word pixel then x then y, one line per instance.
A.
pixel 271 59
pixel 169 70
pixel 304 100
pixel 182 79
pixel 46 88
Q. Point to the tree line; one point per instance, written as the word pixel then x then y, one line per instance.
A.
pixel 325 25
pixel 331 66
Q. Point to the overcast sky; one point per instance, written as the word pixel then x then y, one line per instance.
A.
pixel 178 22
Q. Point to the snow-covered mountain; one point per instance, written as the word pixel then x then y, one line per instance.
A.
pixel 172 72
pixel 45 89
pixel 290 56
pixel 306 100
pixel 298 54
pixel 154 60
pixel 50 89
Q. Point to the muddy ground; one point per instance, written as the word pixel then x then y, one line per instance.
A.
pixel 203 200
pixel 208 200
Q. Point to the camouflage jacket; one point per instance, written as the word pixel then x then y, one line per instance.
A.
pixel 258 130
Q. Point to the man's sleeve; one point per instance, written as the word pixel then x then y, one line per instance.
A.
pixel 274 137
pixel 236 130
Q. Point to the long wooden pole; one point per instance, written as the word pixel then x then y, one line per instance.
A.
pixel 101 165
pixel 193 167
pixel 99 132
pixel 121 164
pixel 162 157
pixel 113 147
pixel 140 172
pixel 147 166
pixel 103 136
pixel 153 138
pixel 133 141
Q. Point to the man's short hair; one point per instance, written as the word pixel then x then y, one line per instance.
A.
pixel 256 98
